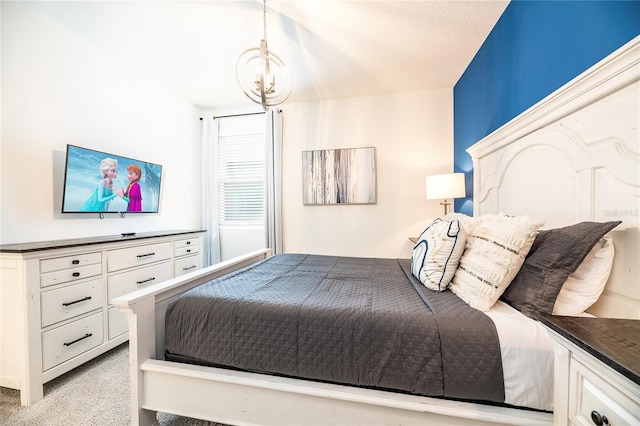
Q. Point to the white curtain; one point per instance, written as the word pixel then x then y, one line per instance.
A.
pixel 274 180
pixel 210 220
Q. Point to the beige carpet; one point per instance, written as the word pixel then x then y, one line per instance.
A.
pixel 96 394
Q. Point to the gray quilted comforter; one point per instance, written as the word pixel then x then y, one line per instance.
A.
pixel 356 321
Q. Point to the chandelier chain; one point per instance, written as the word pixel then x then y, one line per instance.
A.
pixel 264 19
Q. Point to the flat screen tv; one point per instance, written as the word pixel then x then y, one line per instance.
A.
pixel 99 182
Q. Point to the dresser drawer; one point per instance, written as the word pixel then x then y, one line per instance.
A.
pixel 67 262
pixel 70 340
pixel 70 301
pixel 126 282
pixel 136 256
pixel 590 392
pixel 185 251
pixel 187 264
pixel 71 274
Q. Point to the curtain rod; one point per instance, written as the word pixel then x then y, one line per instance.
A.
pixel 234 115
pixel 239 115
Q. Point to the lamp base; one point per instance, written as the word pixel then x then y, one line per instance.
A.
pixel 446 203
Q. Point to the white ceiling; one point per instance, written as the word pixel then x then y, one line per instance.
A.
pixel 333 48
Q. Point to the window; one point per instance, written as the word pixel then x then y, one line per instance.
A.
pixel 241 171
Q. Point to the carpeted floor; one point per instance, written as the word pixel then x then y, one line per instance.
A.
pixel 96 394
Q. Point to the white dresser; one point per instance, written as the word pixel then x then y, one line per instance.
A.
pixel 596 369
pixel 55 299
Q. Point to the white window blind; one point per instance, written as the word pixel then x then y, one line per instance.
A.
pixel 241 171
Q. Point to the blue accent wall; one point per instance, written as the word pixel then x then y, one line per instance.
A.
pixel 535 48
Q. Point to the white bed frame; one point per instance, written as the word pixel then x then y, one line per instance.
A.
pixel 574 156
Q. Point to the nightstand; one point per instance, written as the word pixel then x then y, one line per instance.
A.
pixel 596 370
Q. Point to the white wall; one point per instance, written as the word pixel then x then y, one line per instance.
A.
pixel 413 137
pixel 59 89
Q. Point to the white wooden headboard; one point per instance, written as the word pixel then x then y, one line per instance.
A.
pixel 575 156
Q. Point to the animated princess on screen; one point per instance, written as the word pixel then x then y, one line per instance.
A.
pixel 132 195
pixel 99 200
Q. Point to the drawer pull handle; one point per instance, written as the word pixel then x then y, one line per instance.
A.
pixel 77 340
pixel 188 267
pixel 598 419
pixel 75 274
pixel 75 262
pixel 188 250
pixel 76 301
pixel 145 255
pixel 188 242
pixel 146 281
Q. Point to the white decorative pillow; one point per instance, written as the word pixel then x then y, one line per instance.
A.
pixel 467 223
pixel 585 285
pixel 436 255
pixel 494 253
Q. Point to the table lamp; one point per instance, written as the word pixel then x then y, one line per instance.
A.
pixel 445 186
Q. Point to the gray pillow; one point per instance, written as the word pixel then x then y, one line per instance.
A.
pixel 554 255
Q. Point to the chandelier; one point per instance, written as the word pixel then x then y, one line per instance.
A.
pixel 261 74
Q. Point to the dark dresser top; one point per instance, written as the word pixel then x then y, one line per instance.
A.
pixel 615 342
pixel 77 242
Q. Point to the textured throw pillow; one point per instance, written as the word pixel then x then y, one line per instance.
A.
pixel 467 223
pixel 583 288
pixel 555 254
pixel 436 255
pixel 495 251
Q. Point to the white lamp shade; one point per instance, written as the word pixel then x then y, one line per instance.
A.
pixel 449 185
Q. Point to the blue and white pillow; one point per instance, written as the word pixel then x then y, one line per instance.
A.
pixel 436 255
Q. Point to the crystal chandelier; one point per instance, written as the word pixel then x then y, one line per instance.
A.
pixel 261 74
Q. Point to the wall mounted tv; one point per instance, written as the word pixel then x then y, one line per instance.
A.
pixel 99 182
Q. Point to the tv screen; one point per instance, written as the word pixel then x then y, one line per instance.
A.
pixel 99 182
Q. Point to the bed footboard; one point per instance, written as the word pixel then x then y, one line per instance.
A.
pixel 145 311
pixel 238 397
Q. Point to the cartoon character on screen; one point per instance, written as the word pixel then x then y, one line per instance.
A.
pixel 104 193
pixel 133 195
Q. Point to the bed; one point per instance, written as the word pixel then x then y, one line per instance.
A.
pixel 359 321
pixel 584 137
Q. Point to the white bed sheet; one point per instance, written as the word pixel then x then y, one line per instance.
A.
pixel 527 358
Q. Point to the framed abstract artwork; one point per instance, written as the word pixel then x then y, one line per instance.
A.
pixel 339 176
